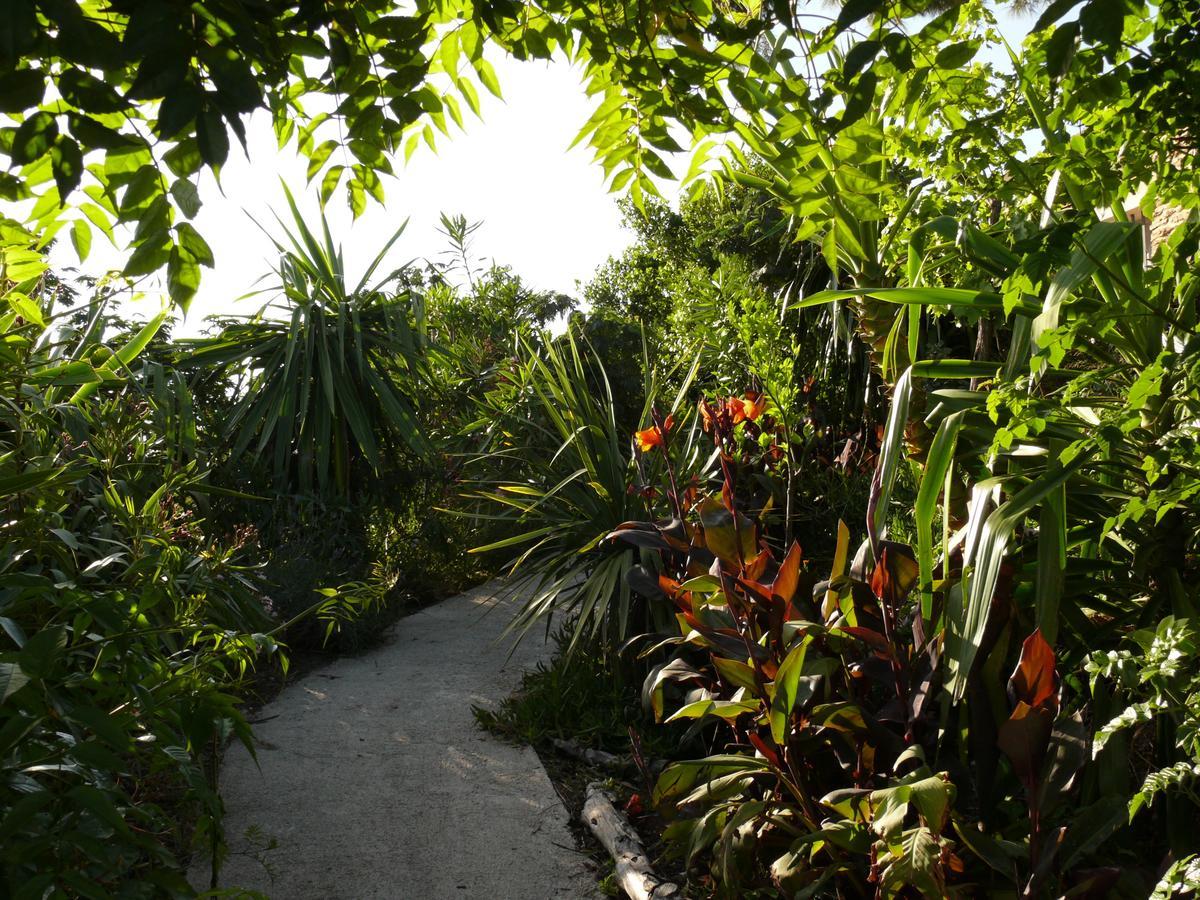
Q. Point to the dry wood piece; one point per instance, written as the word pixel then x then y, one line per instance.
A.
pixel 633 871
pixel 598 758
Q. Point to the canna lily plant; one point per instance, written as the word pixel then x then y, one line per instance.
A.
pixel 840 767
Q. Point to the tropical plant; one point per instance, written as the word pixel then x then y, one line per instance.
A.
pixel 327 374
pixel 556 474
pixel 1065 471
pixel 839 766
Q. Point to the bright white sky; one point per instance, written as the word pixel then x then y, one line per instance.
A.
pixel 545 211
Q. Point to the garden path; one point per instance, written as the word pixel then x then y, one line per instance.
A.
pixel 373 779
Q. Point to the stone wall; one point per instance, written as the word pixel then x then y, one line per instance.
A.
pixel 1166 220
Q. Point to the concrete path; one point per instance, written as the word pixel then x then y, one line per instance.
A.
pixel 374 780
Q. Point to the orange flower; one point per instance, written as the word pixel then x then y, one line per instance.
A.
pixel 649 438
pixel 737 409
pixel 745 408
pixel 754 405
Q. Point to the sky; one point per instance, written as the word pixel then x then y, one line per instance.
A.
pixel 545 211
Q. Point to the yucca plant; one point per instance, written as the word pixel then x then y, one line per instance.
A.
pixel 328 372
pixel 559 474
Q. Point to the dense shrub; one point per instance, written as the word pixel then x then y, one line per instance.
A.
pixel 127 626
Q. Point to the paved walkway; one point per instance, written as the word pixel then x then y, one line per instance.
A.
pixel 374 780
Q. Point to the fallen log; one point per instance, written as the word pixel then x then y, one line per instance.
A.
pixel 633 871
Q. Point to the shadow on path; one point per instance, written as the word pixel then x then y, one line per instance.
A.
pixel 373 779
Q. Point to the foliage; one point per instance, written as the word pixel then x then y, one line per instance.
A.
pixel 620 346
pixel 973 209
pixel 472 315
pixel 1161 686
pixel 555 473
pixel 835 766
pixel 396 544
pixel 126 625
pixel 1063 473
pixel 495 304
pixel 704 280
pixel 129 102
pixel 330 375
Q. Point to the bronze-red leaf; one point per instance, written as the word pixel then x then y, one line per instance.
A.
pixel 1034 681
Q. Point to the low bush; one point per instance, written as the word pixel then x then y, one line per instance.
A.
pixel 589 697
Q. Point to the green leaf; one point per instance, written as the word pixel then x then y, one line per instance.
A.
pixel 915 862
pixel 721 709
pixel 925 296
pixel 319 156
pixel 34 138
pixel 330 182
pixel 149 256
pixel 41 652
pixel 357 197
pixel 736 672
pixel 966 625
pixel 890 453
pixel 487 75
pixel 937 466
pixel 1091 827
pixel 732 539
pixel 13 484
pixel 187 197
pixel 183 278
pixel 126 355
pixel 12 679
pixel 933 797
pixel 212 139
pixel 87 92
pixel 1100 243
pixel 860 100
pixel 787 683
pixel 24 307
pixel 194 245
pixel 705 584
pixel 21 89
pixel 66 160
pixel 855 10
pixel 81 238
pixel 99 804
pixel 1051 558
pixel 955 56
pixel 859 57
pixel 954 368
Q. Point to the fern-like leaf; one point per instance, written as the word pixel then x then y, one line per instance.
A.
pixel 1176 777
pixel 1134 714
pixel 1181 877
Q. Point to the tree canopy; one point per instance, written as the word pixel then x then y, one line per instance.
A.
pixel 116 106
